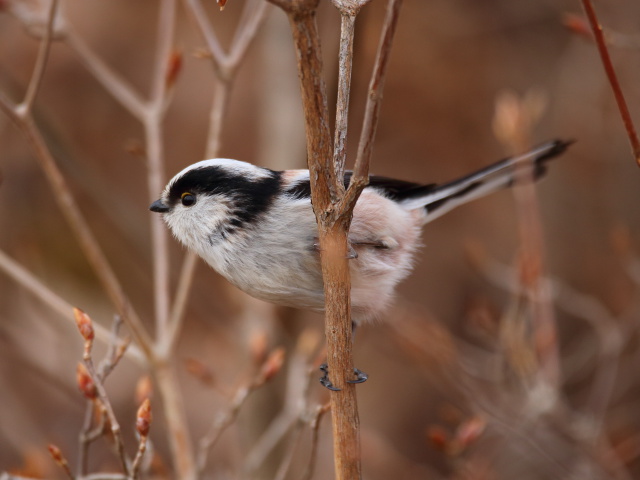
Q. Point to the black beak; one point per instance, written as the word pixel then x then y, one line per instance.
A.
pixel 158 207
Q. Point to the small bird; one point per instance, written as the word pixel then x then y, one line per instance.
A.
pixel 256 227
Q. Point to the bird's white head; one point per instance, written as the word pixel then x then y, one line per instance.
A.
pixel 209 201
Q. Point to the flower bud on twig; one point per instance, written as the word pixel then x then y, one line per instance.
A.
pixel 84 323
pixel 85 382
pixel 174 67
pixel 143 418
pixel 272 364
pixel 200 371
pixel 60 460
pixel 258 344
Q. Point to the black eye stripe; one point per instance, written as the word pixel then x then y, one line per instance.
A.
pixel 248 197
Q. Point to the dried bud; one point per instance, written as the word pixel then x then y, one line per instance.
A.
pixel 273 364
pixel 84 323
pixel 85 382
pixel 258 344
pixel 60 460
pixel 222 3
pixel 144 389
pixel 135 147
pixel 469 431
pixel 200 371
pixel 438 437
pixel 173 68
pixel 143 418
pixel 578 25
pixel 56 454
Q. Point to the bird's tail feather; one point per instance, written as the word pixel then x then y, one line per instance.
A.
pixel 443 198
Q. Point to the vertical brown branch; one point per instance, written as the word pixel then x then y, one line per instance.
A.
pixel 332 208
pixel 613 78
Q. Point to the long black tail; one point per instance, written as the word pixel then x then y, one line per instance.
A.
pixel 439 199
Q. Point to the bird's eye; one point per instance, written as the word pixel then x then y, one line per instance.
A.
pixel 188 199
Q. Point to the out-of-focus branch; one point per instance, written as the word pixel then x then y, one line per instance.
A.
pixel 112 82
pixel 225 67
pixel 613 78
pixel 89 244
pixel 294 412
pixel 152 121
pixel 38 72
pixel 225 418
pixel 513 123
pixel 23 277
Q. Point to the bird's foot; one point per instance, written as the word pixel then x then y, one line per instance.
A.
pixel 361 377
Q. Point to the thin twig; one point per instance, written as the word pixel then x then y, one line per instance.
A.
pixel 113 421
pixel 220 423
pixel 23 277
pixel 118 87
pixel 253 17
pixel 88 242
pixel 218 56
pixel 185 280
pixel 24 108
pixel 270 367
pixel 155 161
pixel 225 67
pixel 360 176
pixel 613 79
pixel 345 66
pixel 315 433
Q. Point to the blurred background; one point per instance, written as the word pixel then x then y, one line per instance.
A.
pixel 443 400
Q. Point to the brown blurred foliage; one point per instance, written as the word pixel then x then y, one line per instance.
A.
pixel 439 373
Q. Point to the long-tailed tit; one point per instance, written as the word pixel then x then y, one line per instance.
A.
pixel 256 228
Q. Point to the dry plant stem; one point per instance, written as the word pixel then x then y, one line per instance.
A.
pixel 23 277
pixel 225 67
pixel 174 413
pixel 221 93
pixel 112 82
pixel 137 461
pixel 344 88
pixel 294 411
pixel 21 115
pixel 333 212
pixel 315 433
pixel 220 423
pixel 113 421
pixel 155 161
pixel 376 85
pixel 532 245
pixel 326 190
pixel 111 359
pixel 79 226
pixel 41 62
pixel 613 78
pixel 594 312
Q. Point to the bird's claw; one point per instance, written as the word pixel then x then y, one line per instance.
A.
pixel 361 377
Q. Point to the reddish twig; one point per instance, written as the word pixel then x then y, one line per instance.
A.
pixel 613 78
